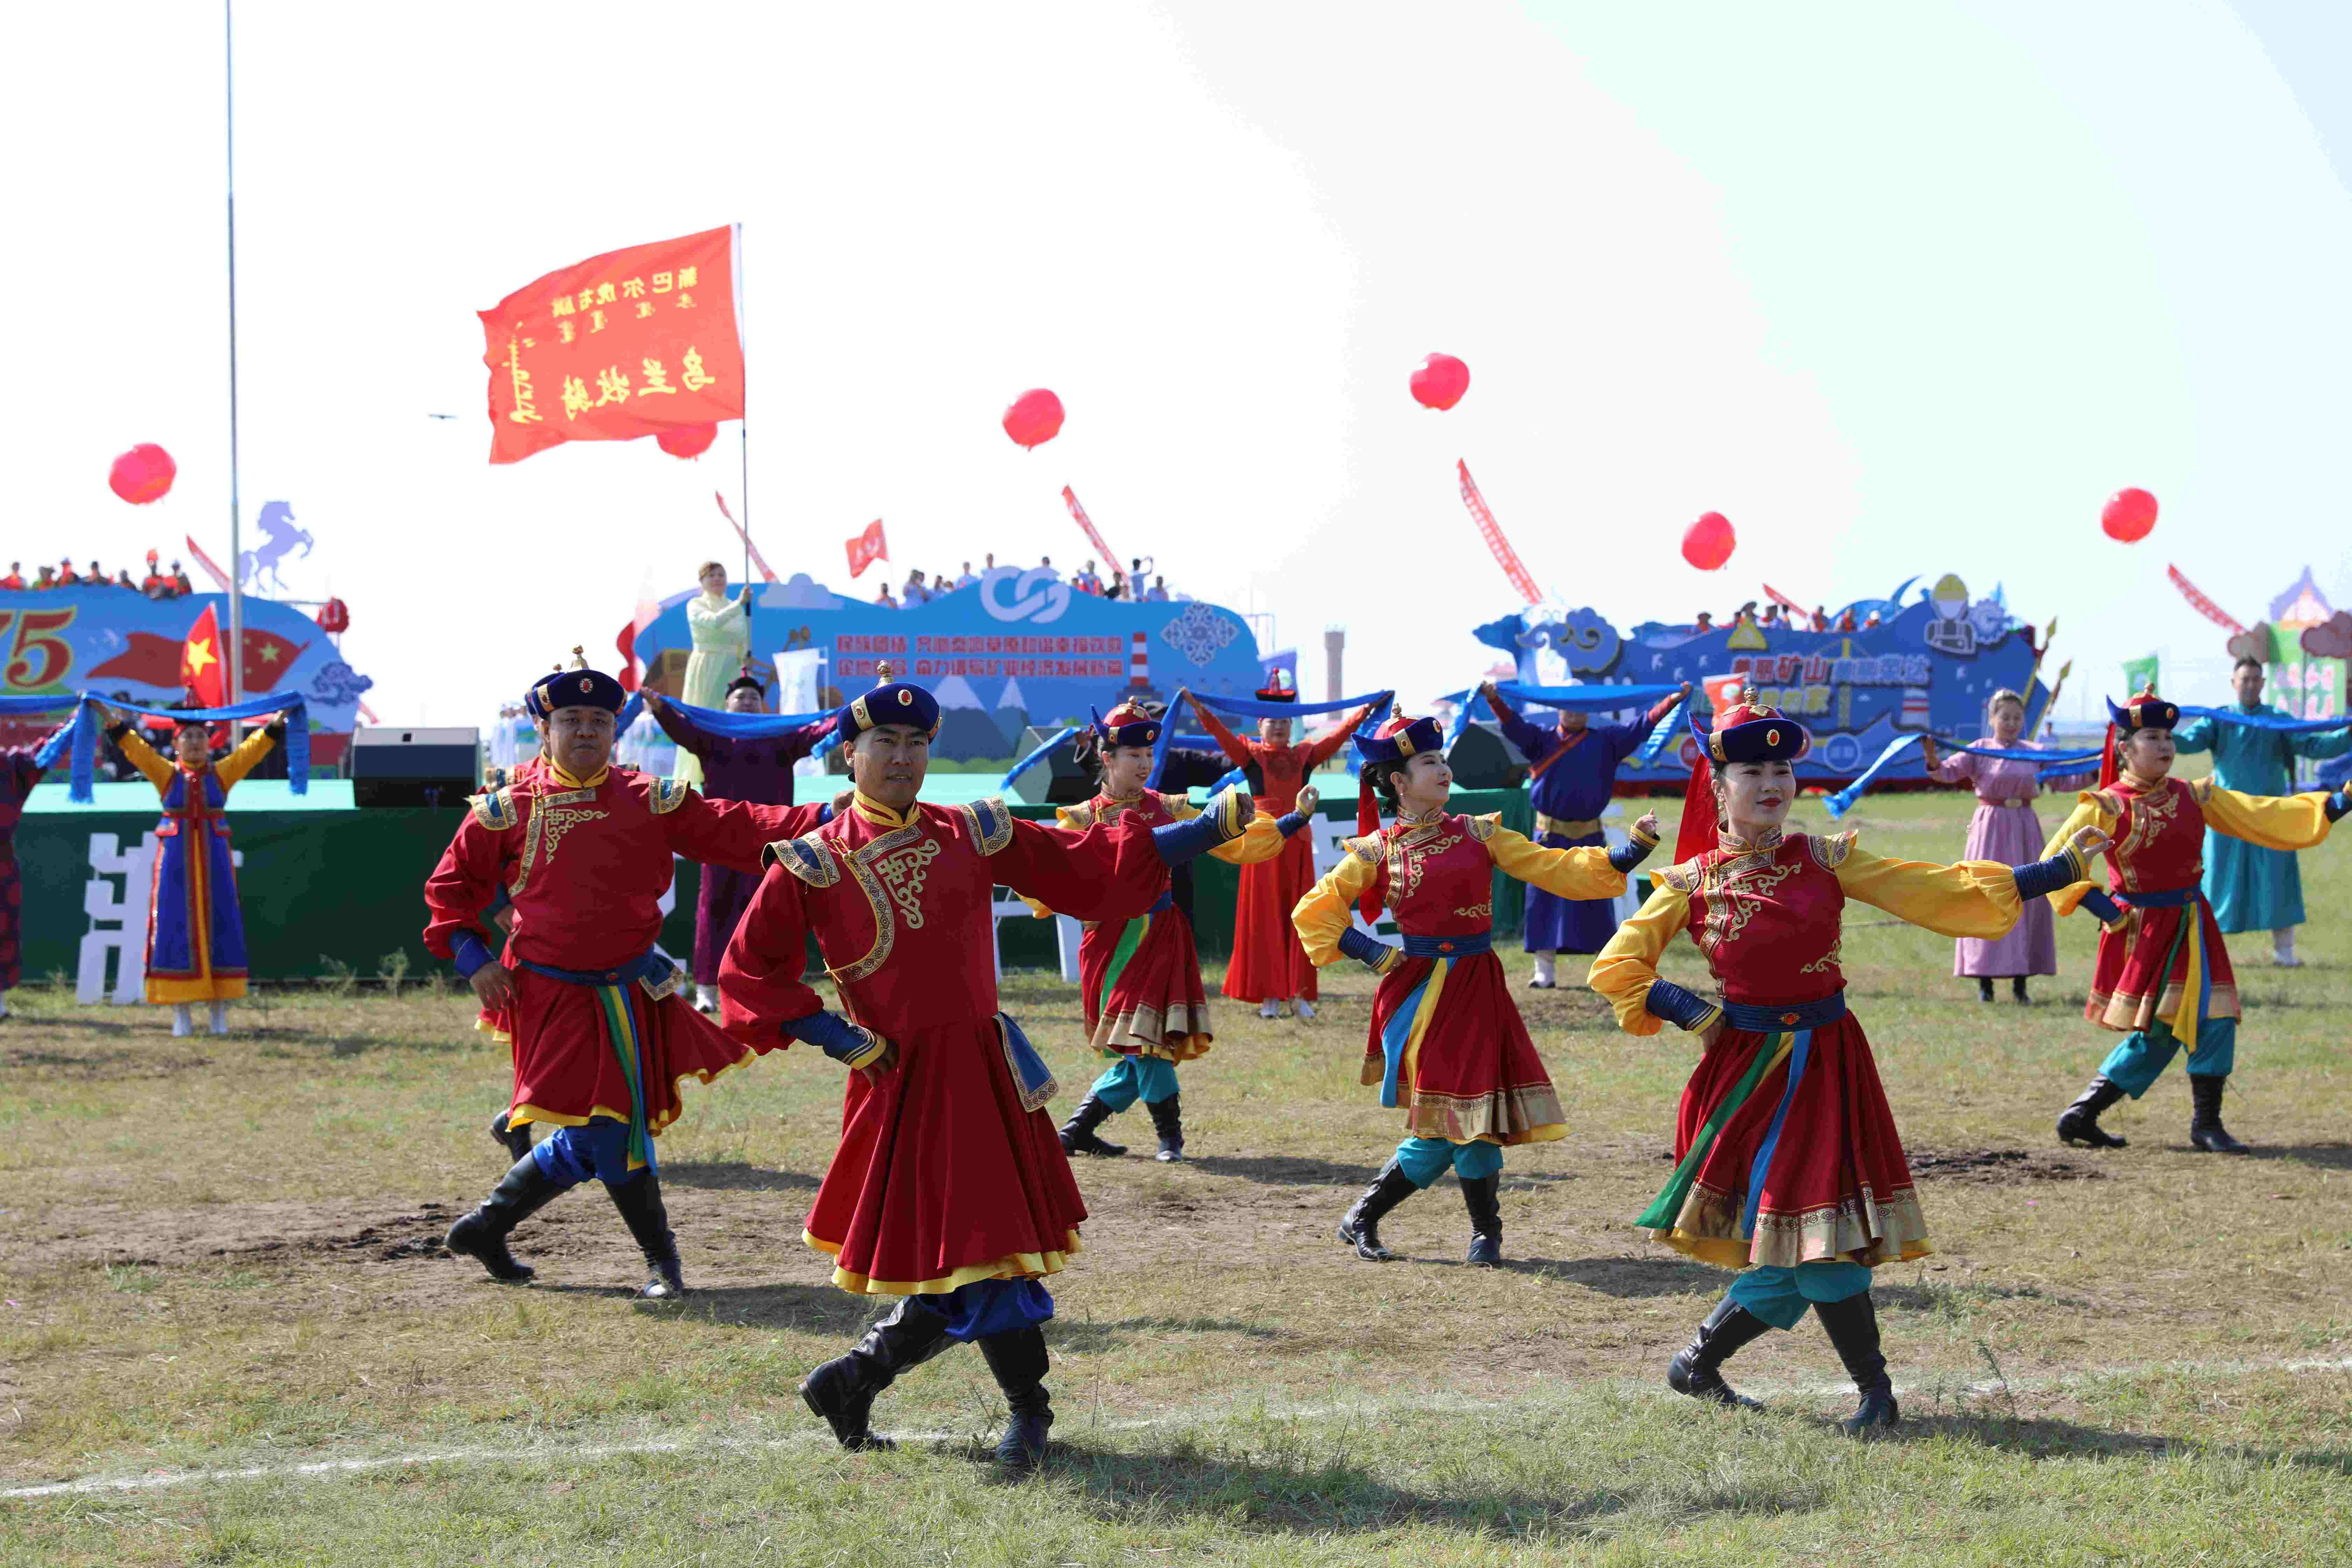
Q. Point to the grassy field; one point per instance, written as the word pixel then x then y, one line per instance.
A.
pixel 221 1256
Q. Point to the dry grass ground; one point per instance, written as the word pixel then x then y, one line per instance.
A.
pixel 223 1254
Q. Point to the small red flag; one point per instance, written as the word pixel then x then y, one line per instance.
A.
pixel 267 656
pixel 866 548
pixel 201 669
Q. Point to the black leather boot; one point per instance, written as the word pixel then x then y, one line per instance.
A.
pixel 1361 1227
pixel 1018 1360
pixel 1853 1326
pixel 1697 1370
pixel 2079 1123
pixel 1984 988
pixel 482 1234
pixel 2205 1130
pixel 842 1391
pixel 1168 1121
pixel 515 1140
pixel 640 1203
pixel 1078 1131
pixel 1483 1198
pixel 2017 989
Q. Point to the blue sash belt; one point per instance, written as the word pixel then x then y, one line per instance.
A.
pixel 1462 946
pixel 1759 1020
pixel 654 964
pixel 1167 901
pixel 2170 899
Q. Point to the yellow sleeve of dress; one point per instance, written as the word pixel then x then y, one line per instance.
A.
pixel 241 762
pixel 1580 873
pixel 1974 898
pixel 2272 821
pixel 2090 811
pixel 1262 840
pixel 1623 969
pixel 1329 906
pixel 144 758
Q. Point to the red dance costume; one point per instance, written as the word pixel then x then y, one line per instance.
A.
pixel 949 1171
pixel 1268 964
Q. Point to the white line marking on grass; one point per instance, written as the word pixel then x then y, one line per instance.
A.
pixel 588 1452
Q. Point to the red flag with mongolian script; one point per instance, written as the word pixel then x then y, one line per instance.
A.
pixel 866 548
pixel 201 669
pixel 629 343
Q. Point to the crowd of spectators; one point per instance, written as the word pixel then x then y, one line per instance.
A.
pixel 158 583
pixel 1128 584
pixel 1776 617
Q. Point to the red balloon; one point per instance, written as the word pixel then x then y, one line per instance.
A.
pixel 143 474
pixel 687 440
pixel 1035 418
pixel 1707 544
pixel 1439 381
pixel 334 618
pixel 2128 515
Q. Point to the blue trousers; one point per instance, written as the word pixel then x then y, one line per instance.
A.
pixel 1148 1079
pixel 988 1307
pixel 1780 1295
pixel 601 1149
pixel 2144 1055
pixel 1424 1160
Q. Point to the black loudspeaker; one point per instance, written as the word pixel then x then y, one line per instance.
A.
pixel 1483 759
pixel 415 767
pixel 1057 778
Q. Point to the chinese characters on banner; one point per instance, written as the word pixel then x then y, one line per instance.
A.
pixel 624 344
pixel 855 656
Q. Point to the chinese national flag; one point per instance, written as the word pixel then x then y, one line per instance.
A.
pixel 201 670
pixel 629 343
pixel 267 656
pixel 866 548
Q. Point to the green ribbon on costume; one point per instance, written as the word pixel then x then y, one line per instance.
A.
pixel 1130 939
pixel 1668 1205
pixel 621 1030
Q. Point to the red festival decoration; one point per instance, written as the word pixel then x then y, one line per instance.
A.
pixel 211 568
pixel 1102 551
pixel 1440 381
pixel 143 474
pixel 633 343
pixel 766 571
pixel 2197 600
pixel 687 440
pixel 201 669
pixel 267 656
pixel 1492 533
pixel 866 548
pixel 2128 515
pixel 1707 543
pixel 334 618
pixel 1035 418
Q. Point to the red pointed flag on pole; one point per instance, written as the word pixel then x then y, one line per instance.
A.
pixel 750 548
pixel 629 343
pixel 1070 499
pixel 866 548
pixel 200 661
pixel 1492 533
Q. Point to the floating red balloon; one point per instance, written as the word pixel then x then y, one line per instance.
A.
pixel 2128 515
pixel 1035 418
pixel 143 474
pixel 687 440
pixel 1439 381
pixel 1707 544
pixel 334 618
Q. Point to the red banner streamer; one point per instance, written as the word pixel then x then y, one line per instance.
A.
pixel 2196 599
pixel 1783 600
pixel 1103 551
pixel 1492 533
pixel 197 552
pixel 757 559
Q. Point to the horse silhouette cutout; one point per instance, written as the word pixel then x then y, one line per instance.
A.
pixel 278 538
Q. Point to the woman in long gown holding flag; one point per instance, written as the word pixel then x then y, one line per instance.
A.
pixel 196 932
pixel 1268 966
pixel 1788 1165
pixel 720 630
pixel 1140 979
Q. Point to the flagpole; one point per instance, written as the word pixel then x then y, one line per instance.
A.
pixel 744 429
pixel 236 651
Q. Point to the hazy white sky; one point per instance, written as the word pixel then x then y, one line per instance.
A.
pixel 1900 289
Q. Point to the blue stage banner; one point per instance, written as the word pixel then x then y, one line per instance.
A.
pixel 1015 649
pixel 124 647
pixel 1928 667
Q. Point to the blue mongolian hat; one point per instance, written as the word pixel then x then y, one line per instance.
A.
pixel 890 702
pixel 1280 686
pixel 1749 732
pixel 1129 725
pixel 2146 710
pixel 1400 737
pixel 579 687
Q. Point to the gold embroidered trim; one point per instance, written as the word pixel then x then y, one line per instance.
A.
pixel 1482 828
pixel 1077 818
pixel 668 795
pixel 810 858
pixel 1367 850
pixel 1682 879
pixel 494 809
pixel 1830 853
pixel 861 862
pixel 2201 790
pixel 991 825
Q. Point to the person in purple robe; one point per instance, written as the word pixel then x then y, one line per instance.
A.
pixel 2004 820
pixel 1572 770
pixel 758 772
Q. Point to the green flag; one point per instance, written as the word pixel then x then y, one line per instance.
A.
pixel 2140 674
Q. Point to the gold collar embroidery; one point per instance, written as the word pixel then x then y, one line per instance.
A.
pixel 557 770
pixel 1420 818
pixel 881 816
pixel 1732 844
pixel 2140 786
